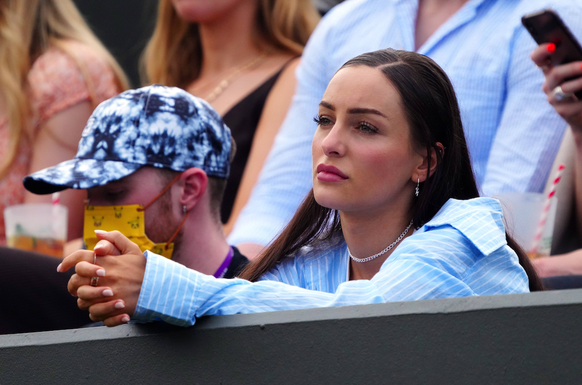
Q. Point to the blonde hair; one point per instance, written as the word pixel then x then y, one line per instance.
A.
pixel 173 56
pixel 28 28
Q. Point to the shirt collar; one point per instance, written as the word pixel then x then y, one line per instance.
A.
pixel 480 220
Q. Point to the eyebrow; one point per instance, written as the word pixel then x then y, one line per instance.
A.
pixel 354 110
pixel 327 105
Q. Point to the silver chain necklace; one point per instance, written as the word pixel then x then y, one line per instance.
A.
pixel 390 247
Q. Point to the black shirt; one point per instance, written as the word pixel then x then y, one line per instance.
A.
pixel 237 264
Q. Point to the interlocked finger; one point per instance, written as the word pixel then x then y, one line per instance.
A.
pixel 103 310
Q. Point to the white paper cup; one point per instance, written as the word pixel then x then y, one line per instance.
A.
pixel 38 227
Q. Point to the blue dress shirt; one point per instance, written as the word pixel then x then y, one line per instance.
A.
pixel 512 131
pixel 462 251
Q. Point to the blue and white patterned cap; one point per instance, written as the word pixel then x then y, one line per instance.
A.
pixel 157 126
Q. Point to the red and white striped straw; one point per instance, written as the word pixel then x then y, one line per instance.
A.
pixel 56 198
pixel 545 211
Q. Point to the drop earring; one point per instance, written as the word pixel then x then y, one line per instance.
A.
pixel 417 190
pixel 184 209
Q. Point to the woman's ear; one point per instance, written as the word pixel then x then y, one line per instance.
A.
pixel 194 182
pixel 422 171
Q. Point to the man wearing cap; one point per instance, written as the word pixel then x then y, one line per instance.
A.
pixel 154 162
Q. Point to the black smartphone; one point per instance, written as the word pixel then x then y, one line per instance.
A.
pixel 547 27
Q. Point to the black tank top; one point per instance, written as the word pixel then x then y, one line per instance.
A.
pixel 242 119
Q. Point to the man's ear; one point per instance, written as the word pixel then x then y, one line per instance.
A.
pixel 421 172
pixel 194 182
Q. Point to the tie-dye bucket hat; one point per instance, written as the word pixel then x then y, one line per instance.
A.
pixel 157 126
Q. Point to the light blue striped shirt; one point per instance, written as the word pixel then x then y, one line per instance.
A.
pixel 462 251
pixel 512 131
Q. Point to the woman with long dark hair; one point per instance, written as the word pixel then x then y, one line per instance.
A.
pixel 394 215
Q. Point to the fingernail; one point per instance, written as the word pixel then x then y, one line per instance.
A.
pixel 118 305
pixel 551 47
pixel 59 267
pixel 107 293
pixel 100 232
pixel 125 319
pixel 100 272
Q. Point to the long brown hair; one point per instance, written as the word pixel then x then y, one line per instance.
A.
pixel 433 115
pixel 173 56
pixel 28 28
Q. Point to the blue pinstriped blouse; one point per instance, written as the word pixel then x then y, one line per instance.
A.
pixel 462 251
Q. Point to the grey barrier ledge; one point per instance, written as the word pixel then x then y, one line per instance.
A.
pixel 512 339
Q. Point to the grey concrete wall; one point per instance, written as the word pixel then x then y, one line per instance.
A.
pixel 513 339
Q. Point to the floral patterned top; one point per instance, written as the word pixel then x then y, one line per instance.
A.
pixel 55 83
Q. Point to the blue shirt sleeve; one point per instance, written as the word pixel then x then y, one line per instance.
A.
pixel 178 295
pixel 439 261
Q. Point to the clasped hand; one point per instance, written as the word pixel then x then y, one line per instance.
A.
pixel 120 268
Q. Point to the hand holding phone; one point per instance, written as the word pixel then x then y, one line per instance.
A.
pixel 547 27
